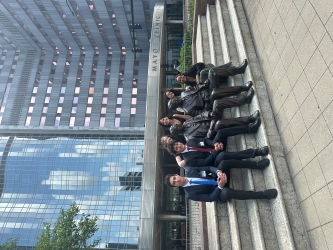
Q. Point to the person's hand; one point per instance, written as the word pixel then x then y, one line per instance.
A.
pixel 219 174
pixel 222 180
pixel 218 146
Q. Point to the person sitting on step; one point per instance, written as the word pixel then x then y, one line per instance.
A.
pixel 201 188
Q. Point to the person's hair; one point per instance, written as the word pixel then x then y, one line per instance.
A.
pixel 167 179
pixel 176 92
pixel 159 120
pixel 170 148
pixel 181 74
pixel 164 144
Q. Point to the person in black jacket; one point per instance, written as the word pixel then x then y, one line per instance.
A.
pixel 196 104
pixel 200 72
pixel 194 153
pixel 220 192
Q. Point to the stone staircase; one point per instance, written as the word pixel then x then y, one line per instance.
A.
pixel 222 36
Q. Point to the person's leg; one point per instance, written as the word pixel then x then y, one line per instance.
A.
pixel 220 104
pixel 222 92
pixel 231 122
pixel 244 154
pixel 205 72
pixel 230 71
pixel 215 126
pixel 222 134
pixel 228 193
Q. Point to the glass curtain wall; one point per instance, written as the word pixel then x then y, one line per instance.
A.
pixel 40 174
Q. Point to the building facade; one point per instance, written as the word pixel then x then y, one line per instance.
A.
pixel 70 63
pixel 72 114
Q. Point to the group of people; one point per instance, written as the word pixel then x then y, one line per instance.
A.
pixel 198 133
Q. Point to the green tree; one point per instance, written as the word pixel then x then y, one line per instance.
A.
pixel 10 244
pixel 68 232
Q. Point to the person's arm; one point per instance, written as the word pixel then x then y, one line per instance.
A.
pixel 197 79
pixel 181 163
pixel 183 116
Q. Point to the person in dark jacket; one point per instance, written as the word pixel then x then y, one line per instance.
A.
pixel 221 191
pixel 194 152
pixel 206 93
pixel 196 104
pixel 200 72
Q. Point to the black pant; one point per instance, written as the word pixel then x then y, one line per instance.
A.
pixel 223 134
pixel 240 155
pixel 228 193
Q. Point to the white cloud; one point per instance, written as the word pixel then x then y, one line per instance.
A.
pixel 69 180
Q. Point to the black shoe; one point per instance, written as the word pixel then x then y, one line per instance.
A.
pixel 264 163
pixel 241 68
pixel 249 95
pixel 262 151
pixel 246 86
pixel 253 127
pixel 270 194
pixel 254 116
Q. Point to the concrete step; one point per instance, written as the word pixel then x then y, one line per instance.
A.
pixel 213 36
pixel 199 50
pixel 253 224
pixel 261 233
pixel 288 221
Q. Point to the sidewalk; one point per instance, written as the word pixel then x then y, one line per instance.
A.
pixel 294 43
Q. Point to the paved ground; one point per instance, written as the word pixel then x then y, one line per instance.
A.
pixel 294 42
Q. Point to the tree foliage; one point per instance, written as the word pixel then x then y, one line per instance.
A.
pixel 10 244
pixel 68 232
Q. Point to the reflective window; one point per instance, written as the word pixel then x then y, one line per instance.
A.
pixel 88 111
pixel 57 121
pixel 103 110
pixel 27 121
pixel 44 173
pixel 74 110
pixel 72 121
pixel 86 121
pixel 59 109
pixel 47 99
pixel 61 99
pixel 75 99
pixel 105 100
pixel 90 100
pixel 134 91
pixel 42 121
pixel 33 99
pixel 133 111
pixel 117 122
pixel 118 111
pixel 35 90
pixel 120 91
pixel 77 90
pixel 30 109
pixel 119 100
pixel 102 121
pixel 91 90
pixel 45 109
pixel 106 91
pixel 63 90
pixel 133 100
